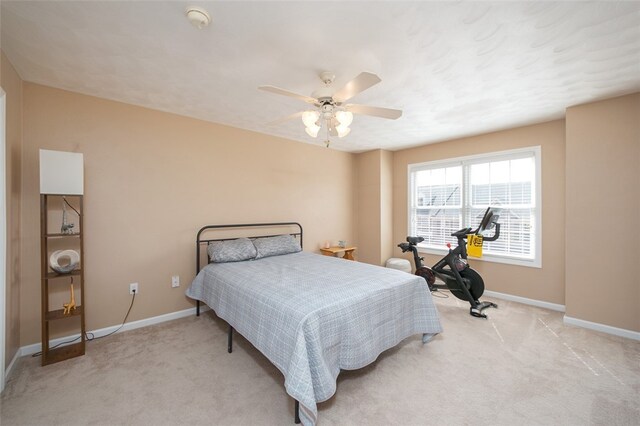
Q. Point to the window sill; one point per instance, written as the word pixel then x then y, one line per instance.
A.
pixel 533 263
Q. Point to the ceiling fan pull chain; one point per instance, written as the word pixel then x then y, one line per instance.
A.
pixel 327 142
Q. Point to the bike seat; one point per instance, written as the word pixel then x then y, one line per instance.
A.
pixel 415 240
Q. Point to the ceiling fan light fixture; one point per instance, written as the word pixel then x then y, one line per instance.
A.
pixel 312 130
pixel 331 110
pixel 309 118
pixel 345 118
pixel 343 130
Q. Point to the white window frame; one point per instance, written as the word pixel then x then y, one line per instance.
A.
pixel 536 262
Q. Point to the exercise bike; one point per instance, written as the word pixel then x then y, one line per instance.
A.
pixel 453 269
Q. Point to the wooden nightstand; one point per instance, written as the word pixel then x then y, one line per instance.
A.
pixel 333 251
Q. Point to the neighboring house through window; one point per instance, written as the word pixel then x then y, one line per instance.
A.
pixel 448 195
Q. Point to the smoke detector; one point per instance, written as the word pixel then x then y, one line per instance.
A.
pixel 198 17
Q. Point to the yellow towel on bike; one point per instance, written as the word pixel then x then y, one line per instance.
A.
pixel 474 245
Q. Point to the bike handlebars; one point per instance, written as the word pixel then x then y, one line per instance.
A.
pixel 489 221
pixel 495 236
pixel 405 247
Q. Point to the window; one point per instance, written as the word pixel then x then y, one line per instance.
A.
pixel 445 196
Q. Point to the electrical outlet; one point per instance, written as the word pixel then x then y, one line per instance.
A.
pixel 175 281
pixel 133 288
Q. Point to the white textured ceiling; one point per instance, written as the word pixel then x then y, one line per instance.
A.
pixel 455 68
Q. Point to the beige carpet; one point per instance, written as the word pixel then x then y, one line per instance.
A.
pixel 520 367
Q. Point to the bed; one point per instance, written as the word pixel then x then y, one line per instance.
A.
pixel 310 315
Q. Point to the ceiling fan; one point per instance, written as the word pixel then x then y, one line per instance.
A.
pixel 330 107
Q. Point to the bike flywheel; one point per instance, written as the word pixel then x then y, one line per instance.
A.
pixel 473 282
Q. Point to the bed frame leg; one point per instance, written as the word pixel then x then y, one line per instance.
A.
pixel 297 415
pixel 230 340
pixel 197 308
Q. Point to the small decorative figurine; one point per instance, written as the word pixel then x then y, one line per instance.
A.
pixel 71 305
pixel 66 228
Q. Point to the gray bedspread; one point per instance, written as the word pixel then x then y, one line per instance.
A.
pixel 314 315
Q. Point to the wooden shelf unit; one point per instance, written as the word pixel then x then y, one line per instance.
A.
pixel 51 278
pixel 63 352
pixel 58 314
pixel 62 235
pixel 73 273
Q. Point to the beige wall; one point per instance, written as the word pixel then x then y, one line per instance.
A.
pixel 152 179
pixel 374 192
pixel 546 283
pixel 368 206
pixel 602 213
pixel 386 206
pixel 12 85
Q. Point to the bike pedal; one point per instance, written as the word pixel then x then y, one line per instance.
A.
pixel 477 314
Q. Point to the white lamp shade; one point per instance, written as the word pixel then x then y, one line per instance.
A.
pixel 342 130
pixel 61 172
pixel 312 130
pixel 344 117
pixel 309 118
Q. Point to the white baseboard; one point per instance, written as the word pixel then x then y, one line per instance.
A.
pixel 37 347
pixel 12 364
pixel 629 334
pixel 524 300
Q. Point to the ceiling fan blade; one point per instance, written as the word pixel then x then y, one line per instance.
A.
pixel 279 91
pixel 389 113
pixel 287 118
pixel 359 84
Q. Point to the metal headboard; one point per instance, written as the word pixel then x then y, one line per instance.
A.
pixel 200 241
